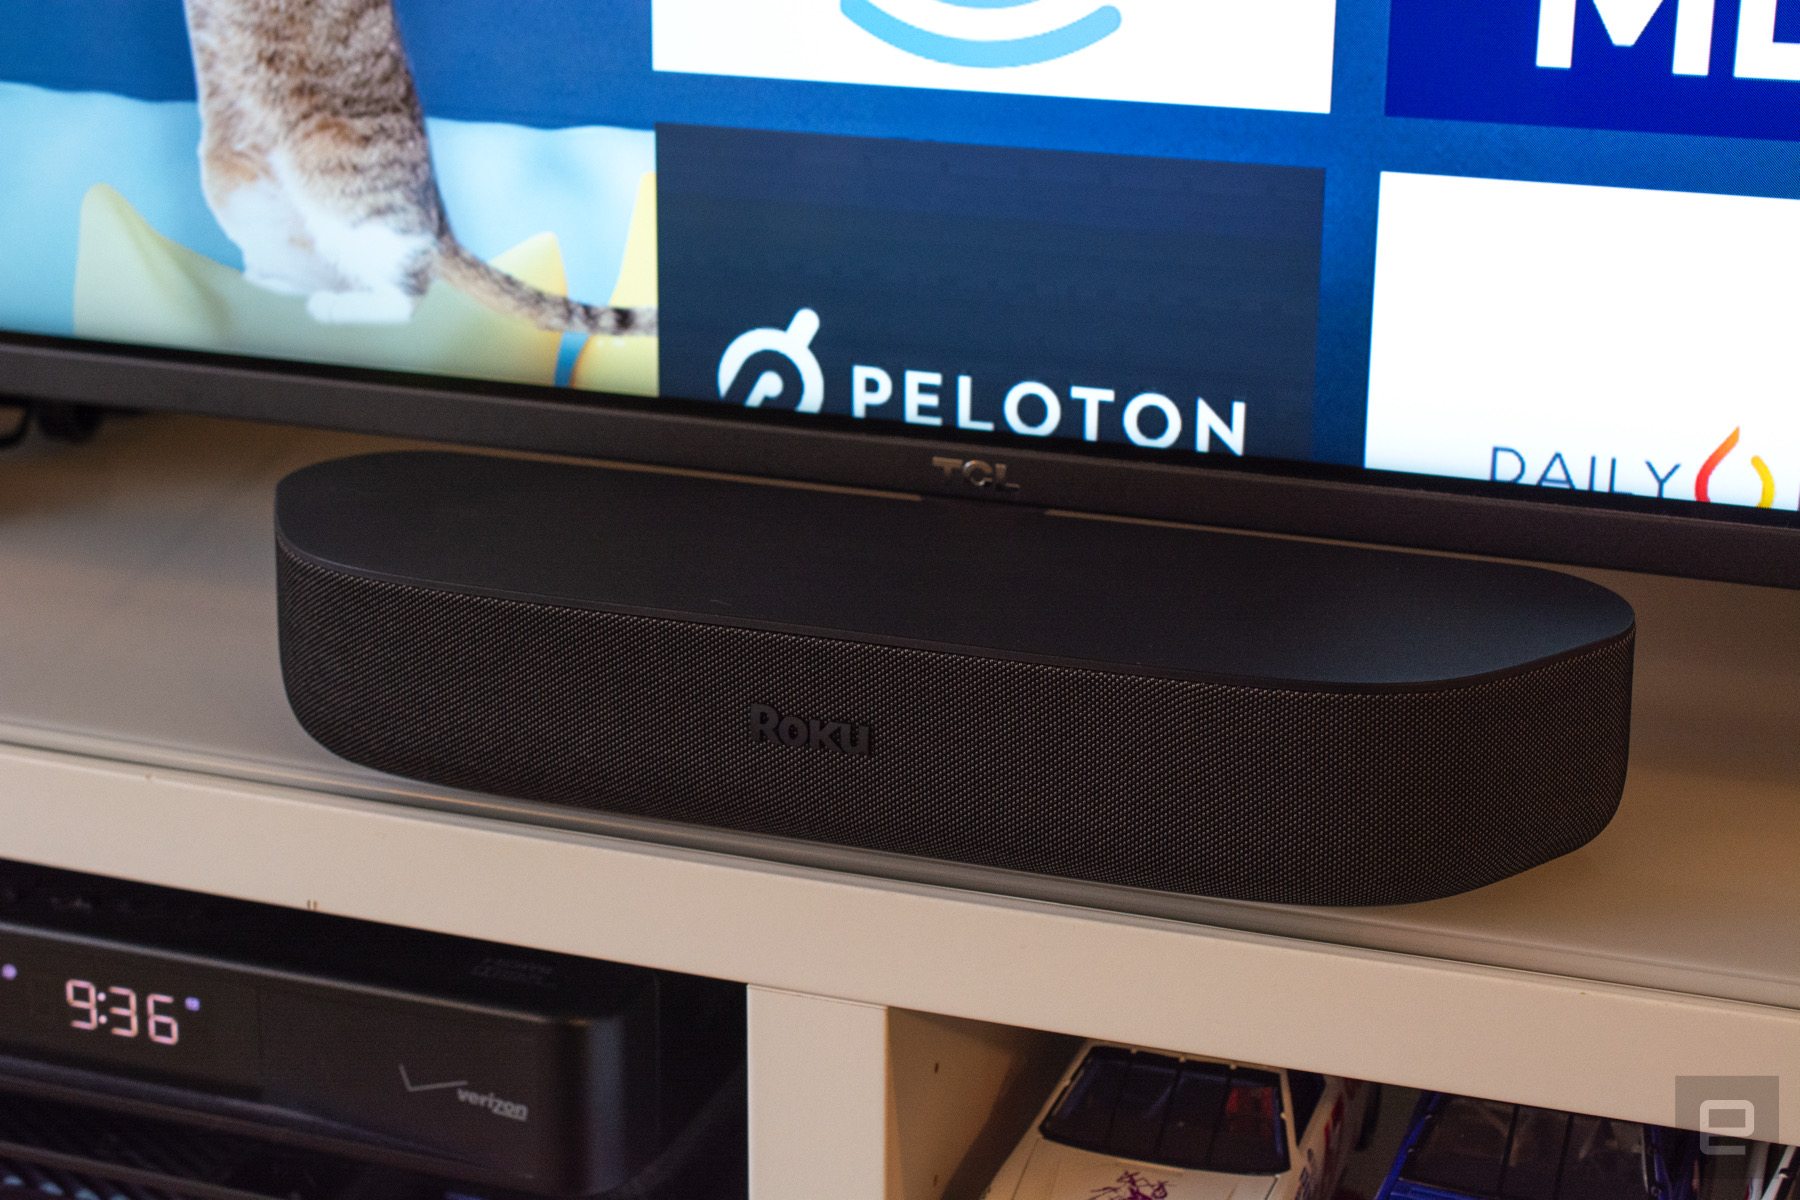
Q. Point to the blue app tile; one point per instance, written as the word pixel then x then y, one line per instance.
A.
pixel 1725 68
pixel 1162 303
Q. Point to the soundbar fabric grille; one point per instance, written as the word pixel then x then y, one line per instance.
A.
pixel 1295 796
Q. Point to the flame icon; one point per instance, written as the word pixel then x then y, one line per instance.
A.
pixel 1703 483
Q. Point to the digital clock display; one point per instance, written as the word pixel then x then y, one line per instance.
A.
pixel 163 1027
pixel 86 1003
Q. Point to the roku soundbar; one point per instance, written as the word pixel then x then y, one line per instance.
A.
pixel 1150 706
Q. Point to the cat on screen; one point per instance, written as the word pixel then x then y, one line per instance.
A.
pixel 315 161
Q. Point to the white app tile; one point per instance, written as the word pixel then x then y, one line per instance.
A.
pixel 1582 337
pixel 1267 54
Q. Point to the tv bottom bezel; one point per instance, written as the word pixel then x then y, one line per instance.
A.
pixel 1412 511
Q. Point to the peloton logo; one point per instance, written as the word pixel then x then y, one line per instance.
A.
pixel 795 344
pixel 1030 408
pixel 1047 45
pixel 767 725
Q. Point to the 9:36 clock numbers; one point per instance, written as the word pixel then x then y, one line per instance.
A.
pixel 161 1027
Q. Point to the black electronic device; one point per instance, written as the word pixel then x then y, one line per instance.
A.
pixel 535 1073
pixel 1151 706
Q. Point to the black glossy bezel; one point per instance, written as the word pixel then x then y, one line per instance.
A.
pixel 1426 512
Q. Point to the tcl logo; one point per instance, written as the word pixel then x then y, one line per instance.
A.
pixel 975 473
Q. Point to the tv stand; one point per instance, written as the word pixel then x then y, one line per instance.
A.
pixel 143 733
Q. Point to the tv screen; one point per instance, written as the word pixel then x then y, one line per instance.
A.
pixel 1507 276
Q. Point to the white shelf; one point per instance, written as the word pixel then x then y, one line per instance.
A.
pixel 147 737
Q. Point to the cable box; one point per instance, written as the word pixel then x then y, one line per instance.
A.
pixel 541 1073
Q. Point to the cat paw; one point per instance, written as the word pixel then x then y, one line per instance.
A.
pixel 360 308
pixel 281 285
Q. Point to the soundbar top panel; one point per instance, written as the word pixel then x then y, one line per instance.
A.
pixel 997 580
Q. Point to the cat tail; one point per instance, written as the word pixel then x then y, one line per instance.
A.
pixel 499 291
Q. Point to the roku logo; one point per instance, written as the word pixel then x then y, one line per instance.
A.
pixel 767 725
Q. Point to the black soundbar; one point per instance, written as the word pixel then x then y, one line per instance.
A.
pixel 465 1061
pixel 1152 706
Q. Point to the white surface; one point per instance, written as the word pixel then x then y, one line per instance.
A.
pixel 962 1093
pixel 1271 54
pixel 1603 324
pixel 820 1108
